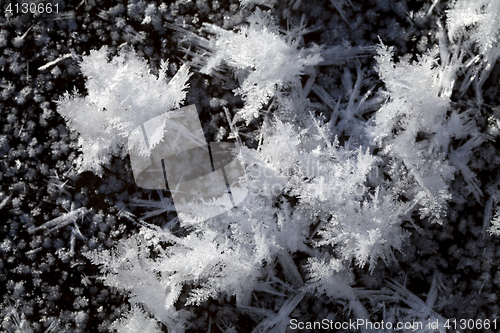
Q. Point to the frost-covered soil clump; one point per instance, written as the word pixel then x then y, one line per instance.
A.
pixel 369 135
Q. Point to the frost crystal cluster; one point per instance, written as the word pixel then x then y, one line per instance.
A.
pixel 366 130
pixel 121 95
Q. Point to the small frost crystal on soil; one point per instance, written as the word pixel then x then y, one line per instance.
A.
pixel 263 59
pixel 369 135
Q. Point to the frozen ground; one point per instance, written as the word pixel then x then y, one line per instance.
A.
pixel 370 137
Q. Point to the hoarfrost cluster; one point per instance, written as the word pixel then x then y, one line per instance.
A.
pixel 365 191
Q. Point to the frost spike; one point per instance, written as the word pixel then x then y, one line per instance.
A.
pixel 339 55
pixel 5 201
pixel 60 221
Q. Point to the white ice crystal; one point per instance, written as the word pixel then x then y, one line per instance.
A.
pixel 121 95
pixel 265 60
